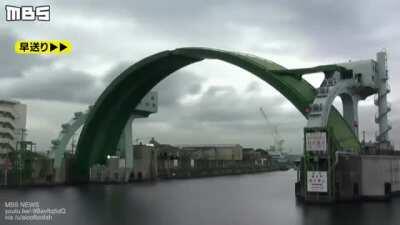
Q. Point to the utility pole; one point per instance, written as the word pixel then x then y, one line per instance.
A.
pixel 363 141
pixel 7 166
pixel 5 177
pixel 20 148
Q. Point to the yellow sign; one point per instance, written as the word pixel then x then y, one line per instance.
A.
pixel 43 47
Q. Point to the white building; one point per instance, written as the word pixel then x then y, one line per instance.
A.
pixel 12 125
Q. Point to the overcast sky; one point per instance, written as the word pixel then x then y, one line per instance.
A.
pixel 208 102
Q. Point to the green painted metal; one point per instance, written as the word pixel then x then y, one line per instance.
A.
pixel 323 68
pixel 105 122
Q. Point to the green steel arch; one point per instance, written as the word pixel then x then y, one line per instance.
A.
pixel 111 111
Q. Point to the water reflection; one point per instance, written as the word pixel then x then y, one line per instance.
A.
pixel 266 198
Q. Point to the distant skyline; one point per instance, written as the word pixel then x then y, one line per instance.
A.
pixel 208 102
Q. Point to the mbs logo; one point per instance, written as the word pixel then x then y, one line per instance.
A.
pixel 27 13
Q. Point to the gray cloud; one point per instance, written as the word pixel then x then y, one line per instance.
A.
pixel 11 64
pixel 175 87
pixel 63 85
pixel 319 20
pixel 253 87
pixel 318 30
pixel 223 104
pixel 222 115
pixel 114 71
pixel 313 31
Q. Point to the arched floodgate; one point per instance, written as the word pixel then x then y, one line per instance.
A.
pixel 105 122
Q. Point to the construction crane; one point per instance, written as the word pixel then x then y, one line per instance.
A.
pixel 278 141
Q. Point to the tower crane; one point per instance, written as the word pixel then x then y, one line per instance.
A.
pixel 278 141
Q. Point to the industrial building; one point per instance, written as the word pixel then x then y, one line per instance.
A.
pixel 116 170
pixel 20 164
pixel 145 163
pixel 113 171
pixel 214 152
pixel 155 160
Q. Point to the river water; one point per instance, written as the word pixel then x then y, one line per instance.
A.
pixel 265 198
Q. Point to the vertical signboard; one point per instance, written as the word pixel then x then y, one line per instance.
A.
pixel 317 181
pixel 316 141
